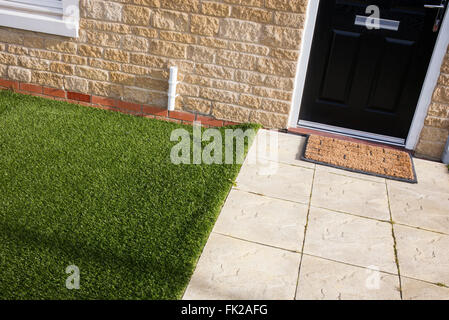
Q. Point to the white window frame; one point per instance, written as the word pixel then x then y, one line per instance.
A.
pixel 60 17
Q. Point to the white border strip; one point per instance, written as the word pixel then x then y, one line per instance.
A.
pixel 430 81
pixel 63 21
pixel 304 54
pixel 353 133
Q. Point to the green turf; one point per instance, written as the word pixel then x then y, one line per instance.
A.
pixel 96 189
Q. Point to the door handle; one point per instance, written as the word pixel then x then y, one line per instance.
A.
pixel 434 6
pixel 440 7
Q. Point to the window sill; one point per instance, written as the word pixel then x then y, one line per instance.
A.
pixel 39 23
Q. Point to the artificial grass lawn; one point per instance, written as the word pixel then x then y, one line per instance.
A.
pixel 97 189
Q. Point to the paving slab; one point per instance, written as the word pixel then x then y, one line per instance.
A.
pixel 263 220
pixel 348 173
pixel 432 177
pixel 288 149
pixel 322 279
pixel 281 181
pixel 349 194
pixel 291 148
pixel 419 207
pixel 350 239
pixel 239 270
pixel 419 290
pixel 423 255
pixel 425 204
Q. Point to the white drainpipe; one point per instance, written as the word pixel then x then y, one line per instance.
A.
pixel 172 82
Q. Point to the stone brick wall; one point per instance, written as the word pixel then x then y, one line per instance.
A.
pixel 237 58
pixel 436 126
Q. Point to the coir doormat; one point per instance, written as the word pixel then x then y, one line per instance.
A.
pixel 359 157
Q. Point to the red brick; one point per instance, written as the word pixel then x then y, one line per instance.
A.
pixel 155 111
pixel 106 108
pixel 230 123
pixel 32 94
pixel 9 84
pixel 130 106
pixel 172 120
pixel 167 119
pixel 209 121
pixel 78 96
pixel 31 87
pixel 54 92
pixel 104 101
pixel 181 115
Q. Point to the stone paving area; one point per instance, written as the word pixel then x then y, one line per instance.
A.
pixel 314 232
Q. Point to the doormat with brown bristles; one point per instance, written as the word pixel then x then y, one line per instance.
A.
pixel 359 157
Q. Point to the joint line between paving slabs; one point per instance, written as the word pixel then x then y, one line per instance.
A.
pixel 271 197
pixel 394 240
pixel 305 232
pixel 255 242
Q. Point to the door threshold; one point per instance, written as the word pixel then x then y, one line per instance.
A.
pixel 361 135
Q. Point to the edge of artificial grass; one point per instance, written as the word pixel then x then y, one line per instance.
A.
pixel 217 210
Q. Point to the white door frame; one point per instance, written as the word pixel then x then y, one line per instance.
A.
pixel 428 88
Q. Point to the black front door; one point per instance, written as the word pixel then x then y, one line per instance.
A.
pixel 368 76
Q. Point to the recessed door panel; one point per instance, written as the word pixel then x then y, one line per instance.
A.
pixel 391 76
pixel 338 76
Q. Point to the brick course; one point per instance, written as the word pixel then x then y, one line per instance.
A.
pixel 113 104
